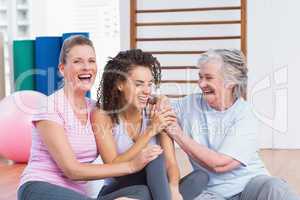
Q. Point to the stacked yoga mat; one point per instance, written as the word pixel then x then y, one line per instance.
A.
pixel 2 71
pixel 24 64
pixel 36 63
pixel 46 61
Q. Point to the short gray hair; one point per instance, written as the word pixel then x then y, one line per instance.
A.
pixel 233 65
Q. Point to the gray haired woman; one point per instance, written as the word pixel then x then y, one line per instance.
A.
pixel 218 131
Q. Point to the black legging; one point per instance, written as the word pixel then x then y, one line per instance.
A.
pixel 155 177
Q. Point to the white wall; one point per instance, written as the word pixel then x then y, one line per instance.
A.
pixel 124 8
pixel 51 17
pixel 98 17
pixel 273 46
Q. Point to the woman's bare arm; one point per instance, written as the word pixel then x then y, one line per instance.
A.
pixel 53 135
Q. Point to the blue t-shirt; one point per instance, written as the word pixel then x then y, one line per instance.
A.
pixel 232 132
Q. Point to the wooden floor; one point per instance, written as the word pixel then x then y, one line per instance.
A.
pixel 281 163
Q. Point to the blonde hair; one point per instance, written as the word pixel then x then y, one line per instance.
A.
pixel 70 42
pixel 234 68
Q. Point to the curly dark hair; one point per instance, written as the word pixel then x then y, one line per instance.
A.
pixel 109 98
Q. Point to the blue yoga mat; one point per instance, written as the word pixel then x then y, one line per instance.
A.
pixel 86 34
pixel 66 35
pixel 48 78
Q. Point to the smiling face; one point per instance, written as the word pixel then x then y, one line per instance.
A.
pixel 79 70
pixel 211 82
pixel 137 88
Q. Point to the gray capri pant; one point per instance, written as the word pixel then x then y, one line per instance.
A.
pixel 261 187
pixel 39 190
pixel 155 177
pixel 150 183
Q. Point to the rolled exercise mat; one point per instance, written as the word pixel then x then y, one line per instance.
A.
pixel 46 59
pixel 86 34
pixel 66 35
pixel 23 55
pixel 2 70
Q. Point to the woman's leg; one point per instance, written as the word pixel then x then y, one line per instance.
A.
pixel 38 190
pixel 157 179
pixel 193 184
pixel 138 178
pixel 268 188
pixel 154 176
pixel 140 192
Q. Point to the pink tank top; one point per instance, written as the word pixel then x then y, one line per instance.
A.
pixel 41 166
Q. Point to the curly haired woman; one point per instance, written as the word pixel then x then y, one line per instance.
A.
pixel 127 124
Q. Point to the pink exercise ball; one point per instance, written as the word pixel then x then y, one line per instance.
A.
pixel 15 123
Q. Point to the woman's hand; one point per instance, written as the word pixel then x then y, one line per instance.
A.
pixel 173 129
pixel 161 118
pixel 144 157
pixel 163 102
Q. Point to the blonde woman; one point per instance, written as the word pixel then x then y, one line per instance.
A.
pixel 63 143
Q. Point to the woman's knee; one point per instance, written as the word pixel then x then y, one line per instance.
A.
pixel 268 187
pixel 274 183
pixel 276 187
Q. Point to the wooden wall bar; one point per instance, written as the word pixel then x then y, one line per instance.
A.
pixel 178 31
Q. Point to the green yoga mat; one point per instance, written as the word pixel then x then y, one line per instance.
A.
pixel 2 71
pixel 24 62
